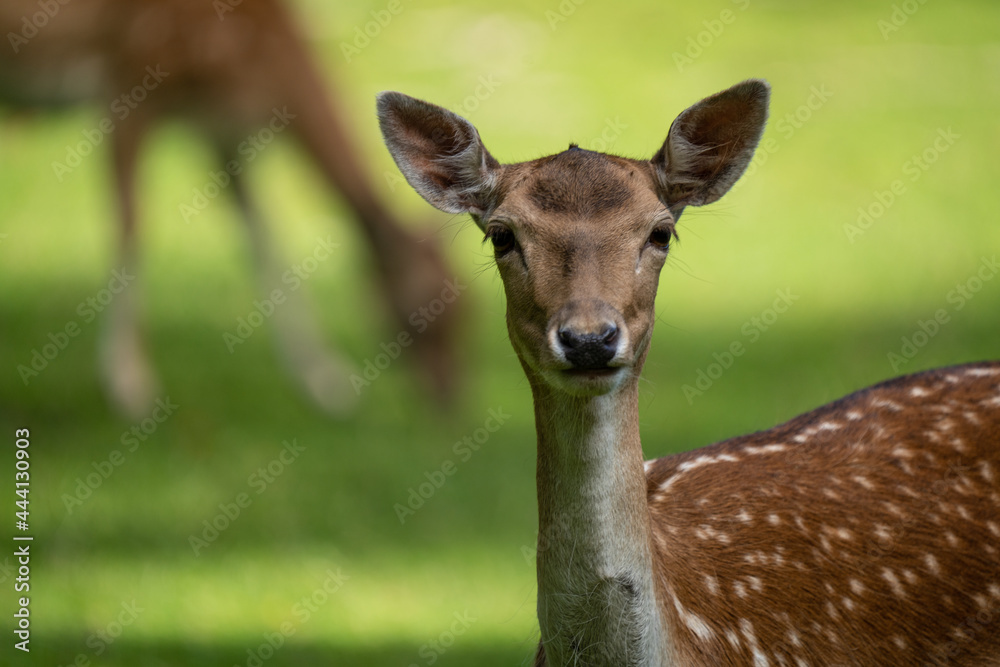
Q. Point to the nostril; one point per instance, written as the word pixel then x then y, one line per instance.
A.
pixel 610 334
pixel 568 339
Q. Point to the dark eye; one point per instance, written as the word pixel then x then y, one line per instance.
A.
pixel 502 238
pixel 660 237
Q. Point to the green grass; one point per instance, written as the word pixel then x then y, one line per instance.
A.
pixel 464 550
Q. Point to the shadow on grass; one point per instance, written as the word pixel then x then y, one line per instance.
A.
pixel 63 651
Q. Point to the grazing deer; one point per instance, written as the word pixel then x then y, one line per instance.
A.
pixel 866 532
pixel 232 68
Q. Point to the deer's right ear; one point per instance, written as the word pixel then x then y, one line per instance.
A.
pixel 439 153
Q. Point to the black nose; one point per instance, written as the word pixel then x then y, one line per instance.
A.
pixel 589 351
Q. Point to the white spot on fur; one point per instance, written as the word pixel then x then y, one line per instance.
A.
pixel 740 588
pixel 697 463
pixel 986 470
pixel 932 564
pixel 886 403
pixel 919 392
pixel 712 584
pixel 894 509
pixel 899 642
pixel 994 590
pixel 854 415
pixel 864 481
pixel 733 638
pixel 744 516
pixel 693 621
pixel 773 519
pixel 982 372
pixel 994 527
pixel 952 540
pixel 910 577
pixel 894 583
pixel 765 449
pixel 829 426
pixel 972 418
pixel 848 604
pixel 756 584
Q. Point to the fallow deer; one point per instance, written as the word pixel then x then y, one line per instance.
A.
pixel 229 67
pixel 865 532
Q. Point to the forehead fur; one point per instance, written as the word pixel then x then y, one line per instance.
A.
pixel 577 183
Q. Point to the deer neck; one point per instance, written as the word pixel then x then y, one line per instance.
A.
pixel 596 590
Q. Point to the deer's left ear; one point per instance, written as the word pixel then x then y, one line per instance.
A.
pixel 710 145
pixel 439 153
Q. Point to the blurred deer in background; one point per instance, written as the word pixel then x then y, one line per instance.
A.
pixel 232 68
pixel 865 532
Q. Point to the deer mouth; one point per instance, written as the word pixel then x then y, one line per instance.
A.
pixel 602 372
pixel 595 381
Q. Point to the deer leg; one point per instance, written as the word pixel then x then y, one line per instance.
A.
pixel 412 271
pixel 128 376
pixel 322 374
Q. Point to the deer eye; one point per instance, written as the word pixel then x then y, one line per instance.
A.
pixel 502 239
pixel 660 237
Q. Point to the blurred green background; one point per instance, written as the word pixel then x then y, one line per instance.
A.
pixel 608 76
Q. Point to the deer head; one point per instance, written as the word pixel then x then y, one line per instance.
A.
pixel 579 237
